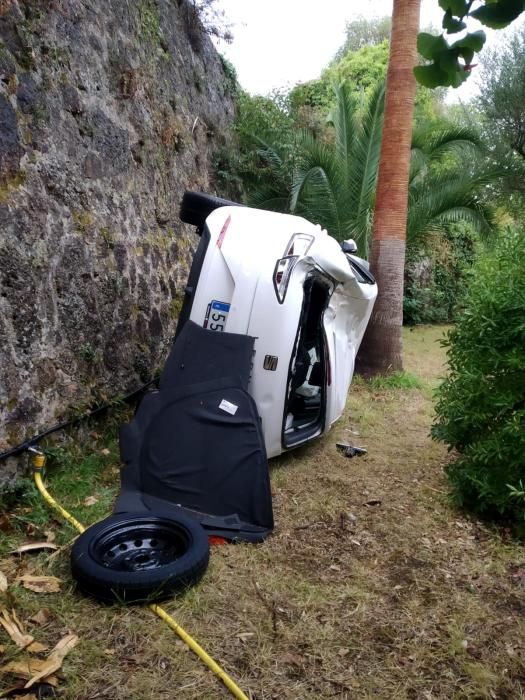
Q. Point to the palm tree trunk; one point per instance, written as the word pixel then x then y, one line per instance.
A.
pixel 381 351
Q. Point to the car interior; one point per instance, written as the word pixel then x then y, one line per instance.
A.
pixel 306 393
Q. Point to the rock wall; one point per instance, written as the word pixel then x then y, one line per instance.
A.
pixel 109 110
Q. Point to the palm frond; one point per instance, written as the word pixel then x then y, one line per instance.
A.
pixel 343 118
pixel 418 163
pixel 440 199
pixel 435 142
pixel 269 152
pixel 316 183
pixel 366 149
pixel 269 198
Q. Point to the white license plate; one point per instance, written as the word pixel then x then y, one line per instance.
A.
pixel 216 315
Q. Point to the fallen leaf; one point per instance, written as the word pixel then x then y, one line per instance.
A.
pixel 33 547
pixel 41 584
pixel 14 629
pixel 90 501
pixel 55 658
pixel 34 647
pixel 105 452
pixel 50 535
pixel 243 636
pixel 5 522
pixel 42 617
pixel 27 668
pixel 3 583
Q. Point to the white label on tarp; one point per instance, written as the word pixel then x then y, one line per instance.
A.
pixel 229 407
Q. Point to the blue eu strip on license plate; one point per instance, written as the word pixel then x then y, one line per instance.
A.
pixel 216 315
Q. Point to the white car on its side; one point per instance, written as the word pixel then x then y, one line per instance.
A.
pixel 304 297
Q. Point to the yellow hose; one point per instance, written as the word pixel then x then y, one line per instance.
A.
pixel 51 501
pixel 194 646
pixel 38 464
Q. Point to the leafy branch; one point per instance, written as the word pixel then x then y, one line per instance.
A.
pixel 450 64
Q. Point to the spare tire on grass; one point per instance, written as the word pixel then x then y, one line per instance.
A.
pixel 141 557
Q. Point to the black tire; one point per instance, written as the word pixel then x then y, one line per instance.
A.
pixel 139 557
pixel 197 206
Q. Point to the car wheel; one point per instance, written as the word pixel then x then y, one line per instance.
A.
pixel 197 206
pixel 132 558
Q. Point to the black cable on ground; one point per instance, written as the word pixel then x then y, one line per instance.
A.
pixel 24 446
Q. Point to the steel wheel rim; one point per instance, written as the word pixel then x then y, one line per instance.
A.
pixel 141 545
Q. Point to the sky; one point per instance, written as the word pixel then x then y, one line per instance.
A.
pixel 278 43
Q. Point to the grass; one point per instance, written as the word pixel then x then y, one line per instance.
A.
pixel 407 598
pixel 396 380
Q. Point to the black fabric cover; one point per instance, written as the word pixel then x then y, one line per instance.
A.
pixel 199 355
pixel 182 449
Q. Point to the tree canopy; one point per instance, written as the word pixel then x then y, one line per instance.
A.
pixel 502 91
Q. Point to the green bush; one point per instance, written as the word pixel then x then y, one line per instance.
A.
pixel 481 405
pixel 438 295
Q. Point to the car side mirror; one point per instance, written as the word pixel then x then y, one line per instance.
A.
pixel 349 246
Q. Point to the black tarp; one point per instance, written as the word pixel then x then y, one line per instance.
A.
pixel 197 442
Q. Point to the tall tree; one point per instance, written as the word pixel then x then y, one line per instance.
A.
pixel 381 351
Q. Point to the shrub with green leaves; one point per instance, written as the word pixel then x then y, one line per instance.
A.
pixel 436 276
pixel 481 405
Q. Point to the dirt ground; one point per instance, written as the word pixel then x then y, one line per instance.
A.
pixel 372 586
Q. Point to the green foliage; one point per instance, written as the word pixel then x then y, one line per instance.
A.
pixel 232 84
pixel 446 67
pixel 358 70
pixel 498 13
pixel 149 21
pixel 451 63
pixel 238 166
pixel 436 277
pixel 448 172
pixel 481 405
pixel 364 32
pixel 331 180
pixel 362 69
pixel 502 92
pixel 314 93
pixel 360 62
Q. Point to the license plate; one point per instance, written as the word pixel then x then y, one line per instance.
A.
pixel 216 315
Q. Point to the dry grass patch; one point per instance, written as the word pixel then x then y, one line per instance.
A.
pixel 371 587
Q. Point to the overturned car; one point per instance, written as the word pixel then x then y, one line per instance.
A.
pixel 305 298
pixel 274 312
